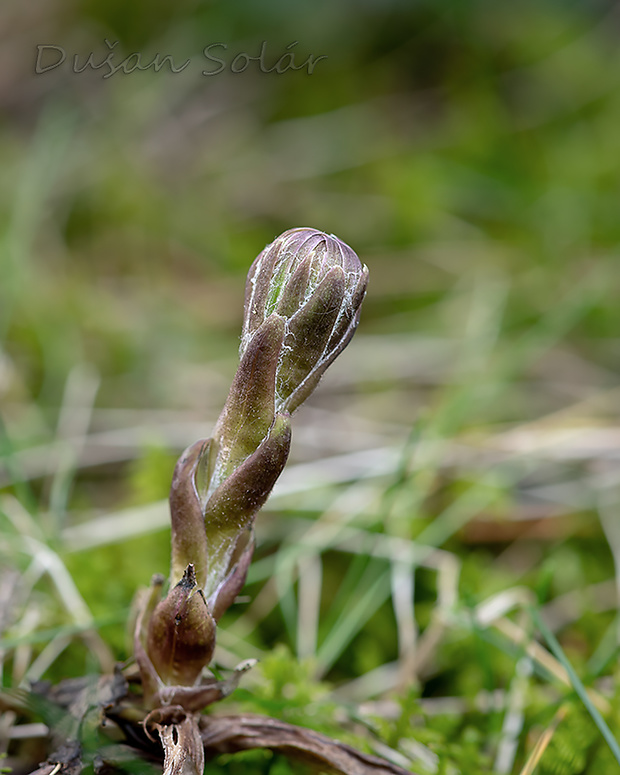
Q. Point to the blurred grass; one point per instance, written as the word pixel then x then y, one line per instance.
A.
pixel 461 456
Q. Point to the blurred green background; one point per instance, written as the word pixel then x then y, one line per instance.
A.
pixel 468 151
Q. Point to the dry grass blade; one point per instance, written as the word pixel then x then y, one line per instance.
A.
pixel 543 742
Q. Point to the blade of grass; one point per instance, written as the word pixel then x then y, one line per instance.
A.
pixel 284 573
pixel 74 421
pixel 349 584
pixel 402 579
pixel 45 636
pixel 577 684
pixel 606 651
pixel 514 717
pixel 310 584
pixel 353 618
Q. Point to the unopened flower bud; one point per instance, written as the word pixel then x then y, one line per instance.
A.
pixel 316 284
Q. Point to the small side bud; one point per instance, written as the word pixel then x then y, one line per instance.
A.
pixel 181 633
